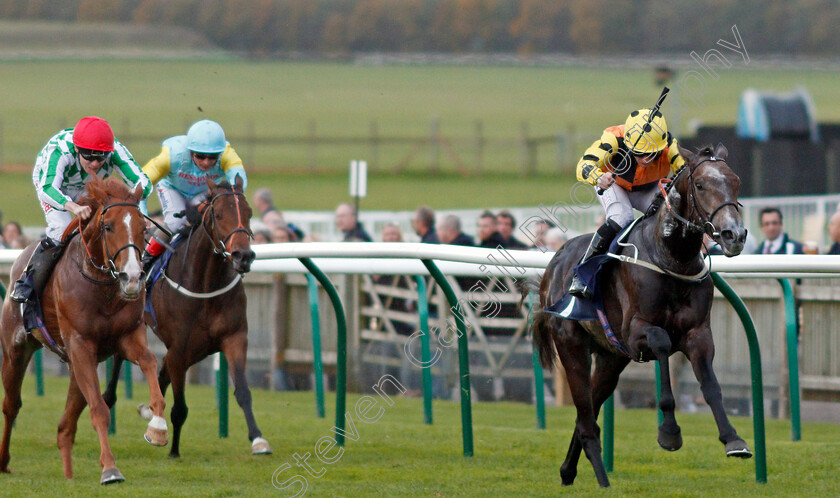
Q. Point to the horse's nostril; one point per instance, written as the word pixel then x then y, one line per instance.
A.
pixel 727 235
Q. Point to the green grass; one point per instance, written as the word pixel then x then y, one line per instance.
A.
pixel 399 456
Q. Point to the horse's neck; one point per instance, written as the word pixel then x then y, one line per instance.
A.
pixel 200 269
pixel 675 245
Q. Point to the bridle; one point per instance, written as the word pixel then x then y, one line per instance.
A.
pixel 706 226
pixel 220 244
pixel 111 267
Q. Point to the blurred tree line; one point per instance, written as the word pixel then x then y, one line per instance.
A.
pixel 265 27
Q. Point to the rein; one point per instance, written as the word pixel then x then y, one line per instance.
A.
pixel 111 267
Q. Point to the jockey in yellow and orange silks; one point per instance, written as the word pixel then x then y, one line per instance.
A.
pixel 626 164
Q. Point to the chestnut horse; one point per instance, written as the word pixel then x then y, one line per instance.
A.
pixel 199 304
pixel 653 313
pixel 92 308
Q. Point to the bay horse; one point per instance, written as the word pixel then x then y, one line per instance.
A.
pixel 199 304
pixel 653 313
pixel 92 308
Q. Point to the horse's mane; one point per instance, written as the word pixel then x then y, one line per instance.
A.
pixel 99 193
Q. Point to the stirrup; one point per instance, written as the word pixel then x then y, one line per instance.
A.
pixel 579 289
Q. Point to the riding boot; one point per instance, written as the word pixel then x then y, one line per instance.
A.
pixel 150 254
pixel 34 277
pixel 599 244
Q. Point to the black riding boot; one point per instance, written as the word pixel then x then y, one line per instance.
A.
pixel 147 261
pixel 599 244
pixel 34 277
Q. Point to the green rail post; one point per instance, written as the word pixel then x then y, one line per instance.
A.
pixel 129 383
pixel 39 372
pixel 222 395
pixel 660 417
pixel 539 382
pixel 755 369
pixel 341 353
pixel 425 348
pixel 109 370
pixel 317 364
pixel 463 356
pixel 793 359
pixel 609 431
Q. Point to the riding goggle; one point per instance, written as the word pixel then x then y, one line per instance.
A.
pixel 93 155
pixel 203 157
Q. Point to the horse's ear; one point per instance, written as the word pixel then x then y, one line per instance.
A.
pixel 239 183
pixel 210 184
pixel 138 192
pixel 721 152
pixel 687 155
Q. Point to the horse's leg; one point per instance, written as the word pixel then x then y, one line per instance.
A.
pixel 235 348
pixel 700 350
pixel 133 347
pixel 82 355
pixel 608 368
pixel 110 394
pixel 69 423
pixel 176 369
pixel 670 435
pixel 15 360
pixel 572 346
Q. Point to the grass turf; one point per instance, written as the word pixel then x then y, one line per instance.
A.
pixel 399 456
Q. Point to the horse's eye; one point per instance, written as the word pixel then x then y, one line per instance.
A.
pixel 218 216
pixel 699 186
pixel 108 227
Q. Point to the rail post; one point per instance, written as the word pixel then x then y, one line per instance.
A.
pixel 317 364
pixel 793 359
pixel 425 348
pixel 755 369
pixel 539 382
pixel 341 353
pixel 463 356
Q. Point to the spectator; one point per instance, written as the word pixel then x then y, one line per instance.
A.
pixel 263 201
pixel 487 234
pixel 834 233
pixel 282 233
pixel 19 242
pixel 554 238
pixel 504 225
pixel 777 242
pixel 424 225
pixel 540 228
pixel 347 222
pixel 272 218
pixel 11 231
pixel 392 233
pixel 262 236
pixel 449 232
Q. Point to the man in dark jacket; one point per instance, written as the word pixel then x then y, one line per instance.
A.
pixel 834 233
pixel 505 224
pixel 424 225
pixel 345 220
pixel 449 232
pixel 777 242
pixel 487 234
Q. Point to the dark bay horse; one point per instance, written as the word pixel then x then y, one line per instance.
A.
pixel 652 314
pixel 206 312
pixel 93 308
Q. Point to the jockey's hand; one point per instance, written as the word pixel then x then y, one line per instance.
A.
pixel 605 181
pixel 82 212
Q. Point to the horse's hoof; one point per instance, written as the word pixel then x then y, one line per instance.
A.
pixel 156 433
pixel 111 476
pixel 567 478
pixel 670 442
pixel 738 448
pixel 174 455
pixel 144 411
pixel 260 447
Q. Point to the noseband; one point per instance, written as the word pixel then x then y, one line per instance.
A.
pixel 706 226
pixel 220 244
pixel 111 267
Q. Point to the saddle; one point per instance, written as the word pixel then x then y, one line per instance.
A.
pixel 157 271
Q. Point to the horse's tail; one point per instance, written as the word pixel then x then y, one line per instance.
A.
pixel 542 333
